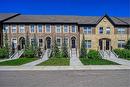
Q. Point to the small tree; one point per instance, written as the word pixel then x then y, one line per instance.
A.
pixel 64 49
pixel 55 50
pixel 128 45
pixel 6 44
pixel 27 43
pixel 83 50
pixel 13 48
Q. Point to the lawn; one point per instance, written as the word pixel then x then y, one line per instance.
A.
pixel 17 62
pixel 86 61
pixel 55 62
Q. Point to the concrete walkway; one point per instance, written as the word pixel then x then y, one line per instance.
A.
pixel 74 60
pixel 119 61
pixel 44 58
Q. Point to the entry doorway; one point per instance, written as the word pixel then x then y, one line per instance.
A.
pixel 48 42
pixel 104 44
pixel 22 42
pixel 73 41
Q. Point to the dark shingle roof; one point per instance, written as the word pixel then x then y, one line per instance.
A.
pixel 4 16
pixel 65 19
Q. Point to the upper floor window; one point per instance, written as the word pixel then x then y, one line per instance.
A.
pixel 88 43
pixel 121 30
pixel 48 28
pixel 108 30
pixel 87 30
pixel 73 28
pixel 14 28
pixel 32 28
pixel 58 28
pixel 39 28
pixel 121 43
pixel 66 28
pixel 21 28
pixel 101 30
pixel 6 28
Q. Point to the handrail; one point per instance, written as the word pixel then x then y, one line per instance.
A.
pixel 100 52
pixel 114 53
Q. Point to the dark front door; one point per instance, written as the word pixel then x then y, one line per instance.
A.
pixel 101 44
pixel 48 43
pixel 73 43
pixel 107 44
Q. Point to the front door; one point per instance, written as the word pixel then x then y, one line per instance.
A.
pixel 107 44
pixel 48 43
pixel 73 43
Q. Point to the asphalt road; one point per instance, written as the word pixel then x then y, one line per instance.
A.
pixel 84 78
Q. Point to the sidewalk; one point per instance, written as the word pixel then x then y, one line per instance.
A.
pixel 89 67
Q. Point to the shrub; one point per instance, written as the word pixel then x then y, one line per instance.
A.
pixel 122 53
pixel 3 53
pixel 29 53
pixel 93 54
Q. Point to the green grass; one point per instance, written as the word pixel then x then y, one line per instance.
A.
pixel 86 61
pixel 55 62
pixel 17 62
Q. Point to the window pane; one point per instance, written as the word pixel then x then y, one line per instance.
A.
pixel 21 28
pixel 39 28
pixel 73 28
pixel 58 28
pixel 6 28
pixel 32 28
pixel 101 30
pixel 58 41
pixel 48 28
pixel 108 30
pixel 65 28
pixel 40 42
pixel 13 28
pixel 88 43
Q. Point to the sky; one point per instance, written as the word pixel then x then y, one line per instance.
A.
pixel 67 7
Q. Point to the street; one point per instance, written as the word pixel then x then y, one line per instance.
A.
pixel 68 78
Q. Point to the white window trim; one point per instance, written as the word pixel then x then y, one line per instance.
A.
pixel 87 44
pixel 38 29
pixel 60 42
pixel 30 28
pixel 121 28
pixel 50 28
pixel 7 27
pixel 12 28
pixel 87 30
pixel 19 28
pixel 75 29
pixel 12 41
pixel 67 28
pixel 56 29
pixel 42 42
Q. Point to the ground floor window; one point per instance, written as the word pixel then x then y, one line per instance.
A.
pixel 58 40
pixel 88 43
pixel 14 43
pixel 32 41
pixel 66 41
pixel 121 43
pixel 40 42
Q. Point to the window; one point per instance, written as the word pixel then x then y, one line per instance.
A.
pixel 58 41
pixel 14 28
pixel 32 41
pixel 66 41
pixel 48 28
pixel 73 28
pixel 58 28
pixel 87 30
pixel 32 28
pixel 6 28
pixel 14 43
pixel 121 43
pixel 66 28
pixel 88 43
pixel 39 28
pixel 121 30
pixel 21 28
pixel 101 30
pixel 108 30
pixel 40 42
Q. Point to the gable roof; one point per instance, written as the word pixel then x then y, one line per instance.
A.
pixel 5 16
pixel 92 20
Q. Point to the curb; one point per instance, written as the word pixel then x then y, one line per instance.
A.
pixel 45 68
